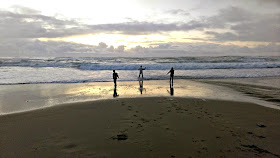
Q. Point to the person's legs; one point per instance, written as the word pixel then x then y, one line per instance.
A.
pixel 171 81
pixel 115 82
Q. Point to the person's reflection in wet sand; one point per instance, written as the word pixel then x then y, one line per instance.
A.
pixel 171 92
pixel 115 93
pixel 141 84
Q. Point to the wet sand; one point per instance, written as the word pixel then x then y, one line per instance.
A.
pixel 26 97
pixel 143 127
pixel 267 89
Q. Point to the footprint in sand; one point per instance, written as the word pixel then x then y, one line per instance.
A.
pixel 70 146
pixel 120 137
pixel 218 115
pixel 251 133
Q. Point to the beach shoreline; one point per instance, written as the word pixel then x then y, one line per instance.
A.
pixel 27 97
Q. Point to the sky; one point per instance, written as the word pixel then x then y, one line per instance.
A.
pixel 139 28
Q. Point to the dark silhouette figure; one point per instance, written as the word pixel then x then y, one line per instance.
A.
pixel 171 71
pixel 171 92
pixel 115 93
pixel 115 76
pixel 141 71
pixel 141 84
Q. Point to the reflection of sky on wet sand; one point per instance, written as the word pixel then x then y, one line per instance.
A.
pixel 15 98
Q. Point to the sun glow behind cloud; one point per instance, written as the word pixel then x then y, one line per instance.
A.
pixel 114 39
pixel 131 41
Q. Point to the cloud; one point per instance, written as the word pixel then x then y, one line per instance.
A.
pixel 238 25
pixel 137 28
pixel 36 48
pixel 24 47
pixel 120 48
pixel 139 49
pixel 273 2
pixel 27 23
pixel 164 46
pixel 20 29
pixel 178 12
pixel 204 48
pixel 244 25
pixel 24 10
pixel 102 45
pixel 229 15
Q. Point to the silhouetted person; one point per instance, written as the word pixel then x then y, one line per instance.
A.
pixel 141 71
pixel 115 93
pixel 115 76
pixel 171 71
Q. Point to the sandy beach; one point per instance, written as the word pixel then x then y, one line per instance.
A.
pixel 143 127
pixel 151 124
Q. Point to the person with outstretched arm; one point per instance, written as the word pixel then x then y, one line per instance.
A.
pixel 141 71
pixel 171 71
pixel 115 76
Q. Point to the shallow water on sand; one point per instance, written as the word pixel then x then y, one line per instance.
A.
pixel 18 98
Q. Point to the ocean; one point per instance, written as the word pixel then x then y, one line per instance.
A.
pixel 90 69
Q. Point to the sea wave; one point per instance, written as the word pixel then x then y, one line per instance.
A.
pixel 184 63
pixel 29 75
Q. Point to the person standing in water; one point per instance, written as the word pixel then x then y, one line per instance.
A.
pixel 141 71
pixel 171 71
pixel 115 76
